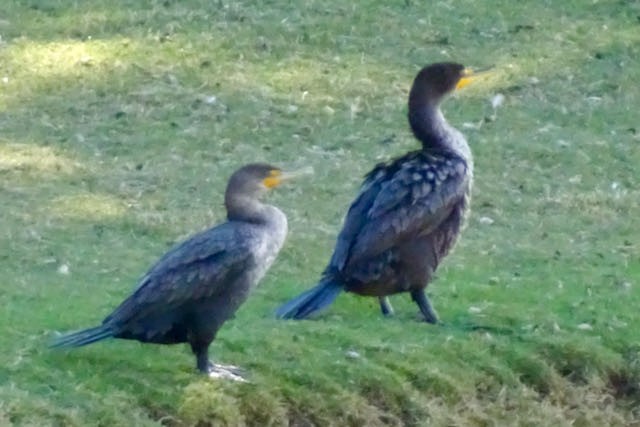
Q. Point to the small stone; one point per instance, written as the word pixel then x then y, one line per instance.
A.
pixel 585 327
pixel 352 354
pixel 485 220
pixel 497 100
pixel 475 310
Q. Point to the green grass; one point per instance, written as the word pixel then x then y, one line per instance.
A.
pixel 112 147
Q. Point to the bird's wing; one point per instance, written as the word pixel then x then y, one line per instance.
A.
pixel 407 197
pixel 194 269
pixel 354 221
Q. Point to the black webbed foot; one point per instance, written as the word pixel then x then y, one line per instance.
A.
pixel 227 372
pixel 215 370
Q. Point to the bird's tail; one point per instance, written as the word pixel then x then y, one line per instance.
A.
pixel 311 301
pixel 84 337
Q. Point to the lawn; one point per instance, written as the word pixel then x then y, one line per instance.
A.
pixel 121 121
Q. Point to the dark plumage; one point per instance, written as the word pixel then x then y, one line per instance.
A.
pixel 200 283
pixel 409 211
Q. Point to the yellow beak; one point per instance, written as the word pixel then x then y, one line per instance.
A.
pixel 277 177
pixel 469 75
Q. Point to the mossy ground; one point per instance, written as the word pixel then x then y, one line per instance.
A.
pixel 121 121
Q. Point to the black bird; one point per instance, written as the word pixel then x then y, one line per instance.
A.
pixel 409 212
pixel 200 283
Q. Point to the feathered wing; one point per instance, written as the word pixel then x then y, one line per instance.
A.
pixel 195 269
pixel 410 196
pixel 405 198
pixel 354 222
pixel 325 292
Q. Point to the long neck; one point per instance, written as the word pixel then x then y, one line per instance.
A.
pixel 246 208
pixel 431 128
pixel 428 125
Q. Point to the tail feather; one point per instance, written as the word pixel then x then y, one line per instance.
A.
pixel 310 302
pixel 84 337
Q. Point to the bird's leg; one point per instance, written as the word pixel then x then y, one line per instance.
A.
pixel 214 370
pixel 423 302
pixel 202 357
pixel 385 306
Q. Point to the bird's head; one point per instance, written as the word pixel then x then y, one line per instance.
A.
pixel 434 82
pixel 256 179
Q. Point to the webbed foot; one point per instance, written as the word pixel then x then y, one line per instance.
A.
pixel 227 372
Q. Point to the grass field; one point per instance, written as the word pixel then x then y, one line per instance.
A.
pixel 121 121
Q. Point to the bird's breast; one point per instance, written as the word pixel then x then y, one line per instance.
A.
pixel 268 239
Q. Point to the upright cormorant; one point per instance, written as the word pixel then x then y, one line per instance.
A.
pixel 409 212
pixel 200 283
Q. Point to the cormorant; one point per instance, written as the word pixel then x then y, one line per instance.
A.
pixel 409 211
pixel 200 283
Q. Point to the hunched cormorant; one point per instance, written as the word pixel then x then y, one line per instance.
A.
pixel 200 283
pixel 408 213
